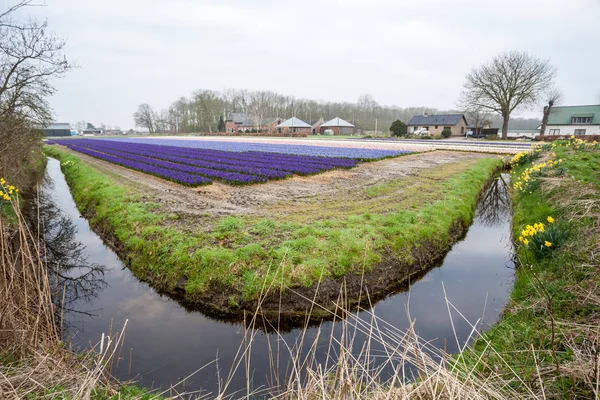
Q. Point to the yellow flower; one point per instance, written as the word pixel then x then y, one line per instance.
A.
pixel 550 220
pixel 547 244
pixel 526 242
pixel 520 238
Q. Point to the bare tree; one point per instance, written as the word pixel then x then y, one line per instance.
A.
pixel 144 117
pixel 29 58
pixel 260 103
pixel 554 96
pixel 477 117
pixel 511 80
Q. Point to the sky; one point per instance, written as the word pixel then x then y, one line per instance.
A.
pixel 402 52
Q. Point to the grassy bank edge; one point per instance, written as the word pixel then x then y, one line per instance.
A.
pixel 537 337
pixel 165 256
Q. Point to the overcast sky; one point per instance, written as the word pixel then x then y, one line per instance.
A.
pixel 403 52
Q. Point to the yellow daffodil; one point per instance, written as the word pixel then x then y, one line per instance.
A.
pixel 547 244
pixel 550 220
pixel 526 242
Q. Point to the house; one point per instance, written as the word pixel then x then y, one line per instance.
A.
pixel 239 122
pixel 293 125
pixel 435 124
pixel 338 126
pixel 270 124
pixel 58 129
pixel 243 122
pixel 574 120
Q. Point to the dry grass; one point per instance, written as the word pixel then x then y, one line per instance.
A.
pixel 34 363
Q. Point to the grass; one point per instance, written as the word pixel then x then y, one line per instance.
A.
pixel 314 241
pixel 550 332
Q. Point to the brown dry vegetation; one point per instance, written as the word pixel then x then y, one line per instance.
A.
pixel 33 361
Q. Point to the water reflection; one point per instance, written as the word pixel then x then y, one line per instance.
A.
pixel 494 207
pixel 74 280
pixel 166 343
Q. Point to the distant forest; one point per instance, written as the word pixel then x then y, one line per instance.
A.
pixel 202 111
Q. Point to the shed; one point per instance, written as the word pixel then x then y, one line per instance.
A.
pixel 338 126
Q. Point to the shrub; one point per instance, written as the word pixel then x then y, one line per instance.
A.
pixel 446 133
pixel 398 128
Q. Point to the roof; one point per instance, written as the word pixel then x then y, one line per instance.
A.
pixel 561 115
pixel 241 118
pixel 440 119
pixel 293 123
pixel 59 125
pixel 337 121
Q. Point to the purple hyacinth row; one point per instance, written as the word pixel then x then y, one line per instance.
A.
pixel 269 165
pixel 200 166
pixel 231 177
pixel 176 176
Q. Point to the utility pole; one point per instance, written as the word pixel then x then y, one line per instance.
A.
pixel 375 126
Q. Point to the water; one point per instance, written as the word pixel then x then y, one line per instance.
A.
pixel 165 343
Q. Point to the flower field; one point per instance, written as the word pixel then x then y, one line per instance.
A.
pixel 200 166
pixel 296 149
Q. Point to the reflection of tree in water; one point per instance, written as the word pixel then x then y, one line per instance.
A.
pixel 72 277
pixel 494 206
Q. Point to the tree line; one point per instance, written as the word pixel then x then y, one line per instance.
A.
pixel 206 110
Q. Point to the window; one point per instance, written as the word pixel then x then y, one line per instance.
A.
pixel 581 120
pixel 436 127
pixel 462 130
pixel 579 132
pixel 426 128
pixel 554 131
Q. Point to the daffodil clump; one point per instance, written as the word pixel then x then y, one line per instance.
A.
pixel 528 180
pixel 575 143
pixel 543 239
pixel 7 192
pixel 69 163
pixel 526 156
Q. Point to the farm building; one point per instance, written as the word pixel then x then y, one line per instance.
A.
pixel 243 122
pixel 435 124
pixel 338 126
pixel 58 129
pixel 294 125
pixel 574 120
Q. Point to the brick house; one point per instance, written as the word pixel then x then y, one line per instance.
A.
pixel 294 125
pixel 243 122
pixel 435 124
pixel 238 122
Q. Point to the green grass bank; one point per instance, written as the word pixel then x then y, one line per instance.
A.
pixel 548 343
pixel 231 264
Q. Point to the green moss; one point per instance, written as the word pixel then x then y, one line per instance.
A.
pixel 313 241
